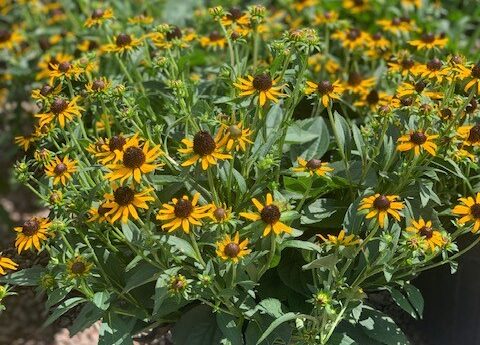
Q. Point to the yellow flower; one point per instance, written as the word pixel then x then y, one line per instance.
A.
pixel 9 39
pixel 325 90
pixel 300 5
pixel 471 74
pixel 63 70
pixel 312 166
pixel 124 202
pixel 220 214
pixel 433 238
pixel 124 43
pixel 183 213
pixel 319 61
pixel 396 26
pixel 232 249
pixel 47 61
pixel 352 38
pixel 261 85
pixel 236 137
pixel 433 69
pixel 108 150
pixel 341 239
pixel 380 206
pixel 98 214
pixel 269 214
pixel 99 85
pixel 417 140
pixel 214 40
pixel 78 267
pixel 62 110
pixel 141 19
pixel 470 134
pixel 7 264
pixel 469 209
pixel 403 65
pixel 327 17
pixel 417 89
pixel 356 6
pixel 235 16
pixel 32 232
pixel 373 99
pixel 173 37
pixel 203 148
pixel 98 17
pixel 24 141
pixel 46 92
pixel 136 160
pixel 358 84
pixel 429 41
pixel 61 170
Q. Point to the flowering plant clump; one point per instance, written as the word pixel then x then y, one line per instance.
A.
pixel 242 175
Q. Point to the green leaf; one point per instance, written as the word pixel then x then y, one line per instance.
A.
pixel 56 296
pixel 271 306
pixel 141 274
pixel 116 330
pixel 63 308
pixel 25 277
pixel 284 318
pixel 381 328
pixel 402 302
pixel 229 328
pixel 102 300
pixel 300 245
pixel 328 261
pixel 131 231
pixel 183 246
pixel 87 317
pixel 198 326
pixel 319 139
pixel 343 130
pixel 415 297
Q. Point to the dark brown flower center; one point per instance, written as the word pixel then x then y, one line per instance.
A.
pixel 53 61
pixel 46 90
pixel 426 232
pixel 215 36
pixel 123 196
pixel 203 143
pixel 373 97
pixel 30 227
pixel 270 214
pixel 58 106
pixel 475 211
pixel 123 40
pixel 183 208
pixel 60 168
pixel 358 2
pixel 476 71
pixel 474 134
pixel 116 143
pixel 98 13
pixel 262 82
pixel 396 21
pixel 355 79
pixel 98 84
pixel 178 284
pixel 446 113
pixel 381 203
pixel 407 63
pixel 219 213
pixel 418 138
pixel 428 38
pixel 376 36
pixel 353 34
pixel 133 157
pixel 102 210
pixel 434 64
pixel 324 87
pixel 235 131
pixel 231 250
pixel 92 45
pixel 420 86
pixel 314 164
pixel 234 14
pixel 64 66
pixel 472 106
pixel 5 35
pixel 406 101
pixel 174 33
pixel 78 267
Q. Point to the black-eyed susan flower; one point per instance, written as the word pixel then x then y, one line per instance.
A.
pixel 98 214
pixel 214 40
pixel 47 61
pixel 61 170
pixel 269 214
pixel 235 137
pixel 183 213
pixel 358 84
pixel 341 239
pixel 235 16
pixel 78 267
pixel 429 41
pixel 7 264
pixel 221 213
pixel 140 19
pixel 124 43
pixel 356 6
pixel 397 25
pixel 124 201
pixel 231 249
pixel 312 166
pixel 108 150
pixel 203 148
pixel 32 233
pixel 378 46
pixel 98 17
pixel 434 69
pixel 137 159
pixel 403 65
pixel 173 36
pixel 373 99
pixel 300 5
pixel 470 134
pixel 61 110
pixel 10 38
pixel 379 206
pixel 469 210
pixel 325 90
pixel 327 17
pixel 46 92
pixel 261 85
pixel 352 39
pixel 418 89
pixel 97 86
pixel 63 70
pixel 417 140
pixel 472 75
pixel 25 141
pixel 177 284
pixel 432 238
